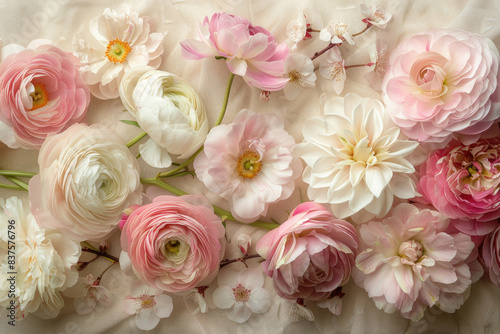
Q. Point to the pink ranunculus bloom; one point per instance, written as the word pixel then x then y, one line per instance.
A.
pixel 438 85
pixel 491 255
pixel 249 163
pixel 250 51
pixel 41 93
pixel 174 243
pixel 409 262
pixel 309 255
pixel 462 182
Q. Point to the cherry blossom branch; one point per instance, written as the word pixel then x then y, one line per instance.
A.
pixel 98 280
pixel 240 259
pixel 103 254
pixel 221 212
pixel 358 65
pixel 218 122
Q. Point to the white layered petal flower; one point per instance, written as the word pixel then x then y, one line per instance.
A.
pixel 169 110
pixel 118 41
pixel 300 69
pixel 332 68
pixel 355 159
pixel 44 263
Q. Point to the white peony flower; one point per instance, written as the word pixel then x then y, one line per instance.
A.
pixel 296 30
pixel 44 261
pixel 375 15
pixel 300 70
pixel 87 178
pixel 241 293
pixel 168 110
pixel 118 41
pixel 379 57
pixel 148 304
pixel 88 294
pixel 332 68
pixel 355 160
pixel 336 33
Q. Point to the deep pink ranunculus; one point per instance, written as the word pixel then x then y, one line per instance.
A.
pixel 41 92
pixel 250 51
pixel 174 243
pixel 309 255
pixel 491 255
pixel 439 83
pixel 463 182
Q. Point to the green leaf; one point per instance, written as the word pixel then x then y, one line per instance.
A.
pixel 134 123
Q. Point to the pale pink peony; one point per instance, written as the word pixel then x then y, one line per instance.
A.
pixel 174 243
pixel 491 255
pixel 438 85
pixel 249 163
pixel 250 51
pixel 310 255
pixel 408 262
pixel 41 93
pixel 463 182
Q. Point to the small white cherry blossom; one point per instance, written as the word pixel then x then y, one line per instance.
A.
pixel 199 299
pixel 336 33
pixel 148 304
pixel 300 70
pixel 296 30
pixel 299 311
pixel 88 293
pixel 241 293
pixel 375 15
pixel 332 68
pixel 379 56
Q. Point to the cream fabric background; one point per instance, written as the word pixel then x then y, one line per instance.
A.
pixel 59 20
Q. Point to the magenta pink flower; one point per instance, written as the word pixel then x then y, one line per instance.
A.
pixel 41 93
pixel 250 51
pixel 491 255
pixel 408 262
pixel 174 243
pixel 438 84
pixel 462 182
pixel 309 255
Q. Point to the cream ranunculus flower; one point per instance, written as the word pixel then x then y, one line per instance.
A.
pixel 87 178
pixel 169 110
pixel 355 159
pixel 44 261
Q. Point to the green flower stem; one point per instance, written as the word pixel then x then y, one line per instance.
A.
pixel 16 173
pixel 221 212
pixel 18 182
pixel 136 139
pixel 11 187
pixel 218 122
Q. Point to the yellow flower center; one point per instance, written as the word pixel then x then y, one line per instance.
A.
pixel 40 96
pixel 117 51
pixel 241 294
pixel 249 165
pixel 173 246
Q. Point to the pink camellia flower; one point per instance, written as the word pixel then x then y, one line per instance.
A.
pixel 174 243
pixel 310 255
pixel 41 93
pixel 462 182
pixel 408 262
pixel 250 51
pixel 491 255
pixel 438 84
pixel 250 163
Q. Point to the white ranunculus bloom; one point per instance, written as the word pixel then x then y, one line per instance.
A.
pixel 44 261
pixel 169 110
pixel 355 159
pixel 87 178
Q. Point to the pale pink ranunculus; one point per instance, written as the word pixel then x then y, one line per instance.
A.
pixel 438 85
pixel 491 255
pixel 250 51
pixel 309 255
pixel 409 262
pixel 174 243
pixel 41 92
pixel 462 182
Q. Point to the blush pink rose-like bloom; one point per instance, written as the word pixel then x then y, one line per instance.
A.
pixel 439 84
pixel 174 243
pixel 310 255
pixel 491 255
pixel 409 262
pixel 250 51
pixel 463 182
pixel 41 93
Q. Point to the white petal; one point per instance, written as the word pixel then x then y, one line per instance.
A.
pixel 155 155
pixel 377 178
pixel 259 301
pixel 239 313
pixel 164 306
pixel 146 319
pixel 223 297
